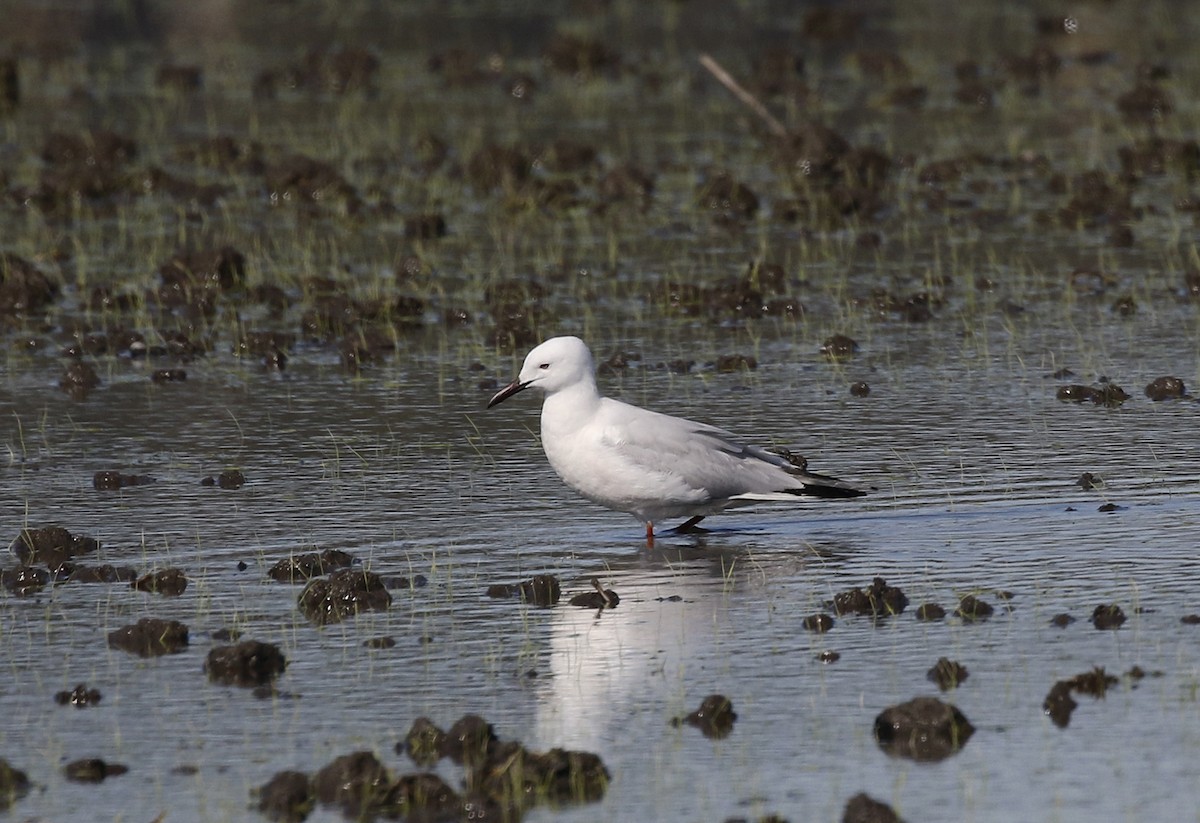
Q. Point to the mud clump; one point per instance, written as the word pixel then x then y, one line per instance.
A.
pixel 924 729
pixel 78 379
pixel 947 673
pixel 24 580
pixel 1165 388
pixel 1108 616
pixel 1059 704
pixel 818 623
pixel 299 568
pixel 1089 482
pixel 24 290
pixel 14 784
pixel 105 573
pixel 248 664
pixel 501 779
pixel 860 389
pixel 930 611
pixel 877 600
pixel 287 797
pixel 1109 395
pixel 512 777
pixel 864 809
pixel 1061 620
pixel 727 199
pixel 600 598
pixel 839 347
pixel 424 743
pixel 114 480
pixel 168 376
pixel 540 590
pixel 971 609
pixel 344 594
pixel 714 718
pixel 357 783
pixel 80 697
pixel 468 740
pixel 150 637
pixel 231 479
pixel 92 770
pixel 168 582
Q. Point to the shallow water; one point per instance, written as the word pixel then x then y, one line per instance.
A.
pixel 358 466
pixel 972 462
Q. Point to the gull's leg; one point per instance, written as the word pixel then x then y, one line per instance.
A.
pixel 689 525
pixel 649 535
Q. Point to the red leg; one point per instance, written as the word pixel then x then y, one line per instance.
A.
pixel 649 535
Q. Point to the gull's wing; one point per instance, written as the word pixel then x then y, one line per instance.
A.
pixel 708 461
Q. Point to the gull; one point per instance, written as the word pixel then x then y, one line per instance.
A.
pixel 651 465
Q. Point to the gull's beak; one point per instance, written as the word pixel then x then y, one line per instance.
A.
pixel 507 392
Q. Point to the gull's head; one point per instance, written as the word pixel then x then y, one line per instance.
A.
pixel 559 363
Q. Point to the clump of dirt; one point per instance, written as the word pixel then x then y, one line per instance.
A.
pixel 24 290
pixel 501 779
pixel 80 697
pixel 468 740
pixel 113 480
pixel 972 609
pixel 92 770
pixel 168 582
pixel 947 673
pixel 1106 394
pixel 424 743
pixel 231 479
pixel 512 777
pixel 50 546
pixel 930 611
pixel 1090 482
pixel 105 573
pixel 384 642
pixel 877 600
pixel 343 594
pixel 298 568
pixel 168 376
pixel 248 664
pixel 150 637
pixel 727 199
pixel 924 729
pixel 1062 620
pixel 1059 704
pixel 287 797
pixel 829 656
pixel 540 590
pixel 714 718
pixel 14 784
pixel 860 389
pixel 599 598
pixel 1165 388
pixel 819 623
pixel 1108 616
pixel 864 809
pixel 24 580
pixel 839 347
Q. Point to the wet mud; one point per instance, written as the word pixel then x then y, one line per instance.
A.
pixel 150 637
pixel 924 729
pixel 541 590
pixel 500 779
pixel 714 718
pixel 343 594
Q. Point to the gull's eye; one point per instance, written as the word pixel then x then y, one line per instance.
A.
pixel 544 366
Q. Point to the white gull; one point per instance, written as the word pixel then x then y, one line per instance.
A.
pixel 651 465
